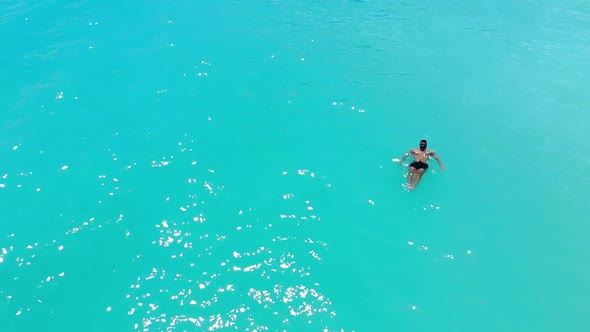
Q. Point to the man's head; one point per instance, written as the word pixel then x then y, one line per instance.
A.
pixel 423 144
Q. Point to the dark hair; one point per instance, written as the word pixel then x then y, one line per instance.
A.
pixel 423 141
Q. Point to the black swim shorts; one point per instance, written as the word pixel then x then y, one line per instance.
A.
pixel 419 164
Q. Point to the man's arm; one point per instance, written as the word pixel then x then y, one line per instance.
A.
pixel 409 153
pixel 435 156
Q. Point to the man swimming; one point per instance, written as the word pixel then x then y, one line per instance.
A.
pixel 420 163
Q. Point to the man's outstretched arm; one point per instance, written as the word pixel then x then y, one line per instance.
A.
pixel 409 153
pixel 435 156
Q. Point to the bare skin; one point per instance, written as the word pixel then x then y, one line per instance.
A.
pixel 420 155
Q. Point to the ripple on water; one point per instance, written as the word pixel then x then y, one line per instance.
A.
pixel 249 277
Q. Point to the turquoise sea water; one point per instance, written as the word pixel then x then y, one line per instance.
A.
pixel 204 165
